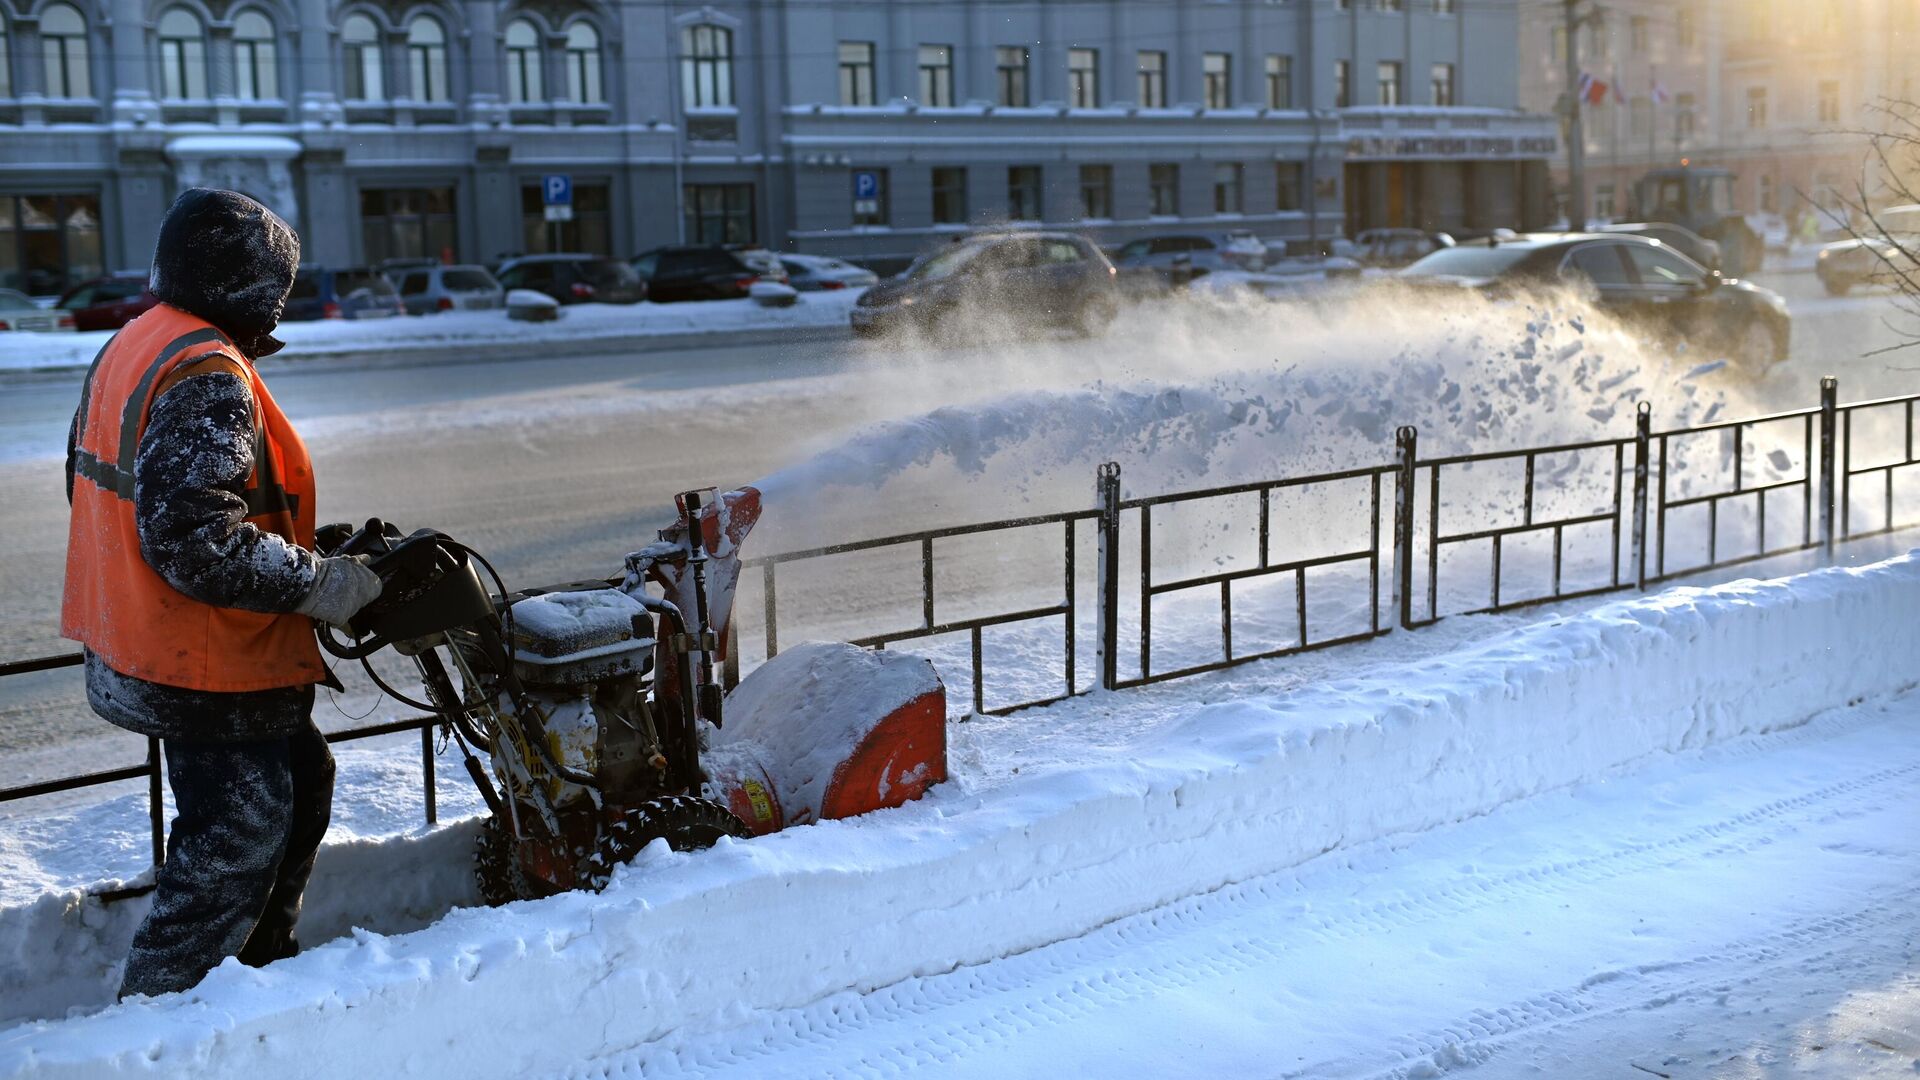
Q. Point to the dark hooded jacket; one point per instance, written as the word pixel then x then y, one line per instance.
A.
pixel 229 260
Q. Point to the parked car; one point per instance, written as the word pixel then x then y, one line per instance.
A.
pixel 449 288
pixel 574 278
pixel 1156 263
pixel 1639 280
pixel 707 271
pixel 812 273
pixel 352 293
pixel 1868 259
pixel 1678 237
pixel 19 312
pixel 394 269
pixel 1037 278
pixel 108 303
pixel 1392 248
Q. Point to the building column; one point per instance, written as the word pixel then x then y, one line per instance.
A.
pixel 133 99
pixel 317 71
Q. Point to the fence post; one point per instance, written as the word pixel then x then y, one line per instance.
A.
pixel 1107 501
pixel 1642 456
pixel 156 809
pixel 1829 417
pixel 426 774
pixel 1405 453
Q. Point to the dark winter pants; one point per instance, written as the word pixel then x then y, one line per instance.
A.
pixel 250 819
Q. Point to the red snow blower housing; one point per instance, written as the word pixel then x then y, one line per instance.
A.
pixel 590 714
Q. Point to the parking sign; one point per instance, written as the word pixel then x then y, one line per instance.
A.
pixel 557 189
pixel 866 185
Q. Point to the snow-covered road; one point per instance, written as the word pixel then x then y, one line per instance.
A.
pixel 1744 911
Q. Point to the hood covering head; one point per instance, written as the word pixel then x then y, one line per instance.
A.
pixel 230 261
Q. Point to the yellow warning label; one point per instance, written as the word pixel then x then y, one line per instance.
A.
pixel 757 795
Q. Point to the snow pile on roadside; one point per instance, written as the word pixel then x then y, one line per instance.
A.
pixel 577 323
pixel 1216 793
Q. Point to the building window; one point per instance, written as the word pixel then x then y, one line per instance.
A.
pixel 1640 117
pixel 1443 84
pixel 1637 33
pixel 1289 180
pixel 1756 108
pixel 1153 80
pixel 1389 5
pixel 950 196
pixel 1342 80
pixel 590 232
pixel 1829 101
pixel 1227 188
pixel 1603 202
pixel 584 85
pixel 183 56
pixel 1683 118
pixel 856 73
pixel 408 223
pixel 523 63
pixel 1279 82
pixel 1683 30
pixel 1023 193
pixel 1766 194
pixel 49 243
pixel 426 60
pixel 706 68
pixel 256 76
pixel 870 211
pixel 1559 46
pixel 1759 20
pixel 1096 192
pixel 1389 79
pixel 936 76
pixel 1083 78
pixel 6 63
pixel 719 213
pixel 1010 70
pixel 1163 189
pixel 360 47
pixel 1216 80
pixel 1443 7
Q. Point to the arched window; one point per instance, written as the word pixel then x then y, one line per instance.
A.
pixel 523 63
pixel 583 65
pixel 706 65
pixel 256 76
pixel 183 56
pixel 6 55
pixel 360 47
pixel 63 36
pixel 426 60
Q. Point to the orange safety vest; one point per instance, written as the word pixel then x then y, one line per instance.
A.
pixel 115 603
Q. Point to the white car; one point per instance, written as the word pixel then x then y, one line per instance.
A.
pixel 19 312
pixel 1870 258
pixel 812 273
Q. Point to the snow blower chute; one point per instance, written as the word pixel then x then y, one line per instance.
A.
pixel 591 715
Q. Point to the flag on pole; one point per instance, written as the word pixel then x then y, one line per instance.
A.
pixel 1593 91
pixel 1659 93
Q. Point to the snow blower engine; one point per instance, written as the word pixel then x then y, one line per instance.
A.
pixel 590 714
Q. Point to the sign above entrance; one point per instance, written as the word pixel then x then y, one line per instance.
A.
pixel 1462 147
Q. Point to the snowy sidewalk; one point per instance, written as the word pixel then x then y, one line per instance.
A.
pixel 464 332
pixel 1747 910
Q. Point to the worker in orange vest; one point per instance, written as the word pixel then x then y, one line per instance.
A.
pixel 193 583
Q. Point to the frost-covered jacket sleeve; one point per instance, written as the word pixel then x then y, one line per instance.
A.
pixel 189 479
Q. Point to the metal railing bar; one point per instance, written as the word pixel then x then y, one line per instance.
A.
pixel 41 663
pixel 1511 530
pixel 1880 403
pixel 1258 571
pixel 1530 451
pixel 1253 486
pixel 1722 425
pixel 1715 496
pixel 916 537
pixel 1248 658
pixel 958 626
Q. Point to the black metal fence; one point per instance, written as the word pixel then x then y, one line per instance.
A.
pixel 1639 485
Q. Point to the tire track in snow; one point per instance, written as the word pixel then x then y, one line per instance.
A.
pixel 1477 1037
pixel 833 1017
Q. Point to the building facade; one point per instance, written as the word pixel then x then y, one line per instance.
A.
pixel 424 128
pixel 1775 90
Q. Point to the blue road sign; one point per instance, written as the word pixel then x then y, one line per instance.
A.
pixel 557 189
pixel 866 185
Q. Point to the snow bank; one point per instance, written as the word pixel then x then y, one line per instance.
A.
pixel 683 944
pixel 577 323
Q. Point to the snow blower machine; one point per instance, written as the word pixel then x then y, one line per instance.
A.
pixel 592 715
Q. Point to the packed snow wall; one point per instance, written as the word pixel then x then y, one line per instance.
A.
pixel 1217 793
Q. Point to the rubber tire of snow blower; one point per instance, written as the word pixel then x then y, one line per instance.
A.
pixel 497 870
pixel 685 822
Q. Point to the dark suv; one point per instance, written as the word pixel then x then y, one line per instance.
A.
pixel 1036 279
pixel 707 271
pixel 108 303
pixel 574 279
pixel 353 293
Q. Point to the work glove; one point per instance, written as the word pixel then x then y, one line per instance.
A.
pixel 342 585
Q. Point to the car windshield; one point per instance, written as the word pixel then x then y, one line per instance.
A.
pixel 945 264
pixel 1902 222
pixel 348 282
pixel 1473 262
pixel 13 301
pixel 602 272
pixel 468 281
